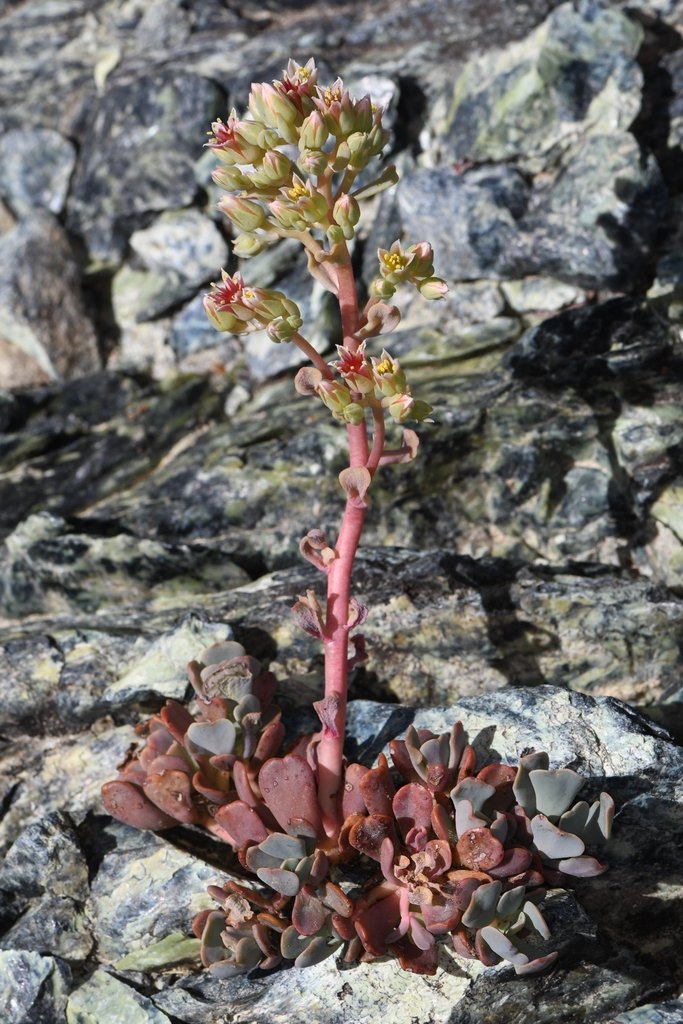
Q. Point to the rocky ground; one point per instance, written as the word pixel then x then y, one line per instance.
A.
pixel 525 573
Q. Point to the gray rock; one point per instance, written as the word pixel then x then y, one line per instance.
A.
pixel 124 163
pixel 28 182
pixel 33 988
pixel 575 74
pixel 45 334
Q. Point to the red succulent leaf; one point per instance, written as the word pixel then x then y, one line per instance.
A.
pixel 269 742
pixel 199 922
pixel 442 823
pixel 337 900
pixel 353 801
pixel 368 834
pixel 345 927
pixel 515 861
pixel 479 850
pixel 484 951
pixel 462 944
pixel 441 917
pixel 402 762
pixel 412 806
pixel 129 804
pixel 308 913
pixel 501 777
pixel 177 719
pixel 241 823
pixel 243 784
pixel 468 762
pixel 289 790
pixel 461 885
pixel 417 961
pixel 172 793
pixel 212 793
pixel 377 787
pixel 378 920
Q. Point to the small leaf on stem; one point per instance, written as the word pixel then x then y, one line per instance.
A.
pixel 355 481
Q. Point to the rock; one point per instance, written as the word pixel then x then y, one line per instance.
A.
pixel 103 999
pixel 33 988
pixel 124 163
pixel 28 183
pixel 575 74
pixel 50 339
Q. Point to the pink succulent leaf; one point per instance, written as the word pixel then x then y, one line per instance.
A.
pixel 479 850
pixel 378 318
pixel 554 842
pixel 377 787
pixel 127 802
pixel 320 867
pixel 387 854
pixel 169 762
pixel 327 711
pixel 353 801
pixel 336 899
pixel 515 861
pixel 289 791
pixel 462 945
pixel 229 679
pixel 402 761
pixel 172 793
pixel 316 550
pixel 581 867
pixel 243 784
pixel 308 913
pixel 412 806
pixel 211 792
pixel 241 823
pixel 355 482
pixel 537 965
pixel 442 823
pixel 462 885
pixel 269 742
pixel 440 918
pixel 468 762
pixel 414 960
pixel 487 956
pixel 368 834
pixel 358 614
pixel 177 719
pixel 360 654
pixel 309 615
pixel 378 920
pixel 422 938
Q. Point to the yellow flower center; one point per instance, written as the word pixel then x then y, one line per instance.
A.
pixel 395 261
pixel 331 96
pixel 297 192
pixel 385 366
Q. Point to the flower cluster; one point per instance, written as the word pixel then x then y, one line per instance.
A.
pixel 290 163
pixel 363 383
pixel 288 167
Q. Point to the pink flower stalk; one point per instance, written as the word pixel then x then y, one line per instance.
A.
pixel 275 193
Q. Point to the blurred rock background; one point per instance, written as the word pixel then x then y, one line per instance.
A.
pixel 155 477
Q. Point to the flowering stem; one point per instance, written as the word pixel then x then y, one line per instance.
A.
pixel 331 746
pixel 305 346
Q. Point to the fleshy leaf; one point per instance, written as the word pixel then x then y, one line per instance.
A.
pixel 129 804
pixel 552 841
pixel 522 787
pixel 308 913
pixel 555 790
pixel 502 946
pixel 212 737
pixel 479 850
pixel 241 823
pixel 172 793
pixel 482 908
pixel 289 791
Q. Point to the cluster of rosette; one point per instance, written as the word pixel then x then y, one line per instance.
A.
pixel 434 850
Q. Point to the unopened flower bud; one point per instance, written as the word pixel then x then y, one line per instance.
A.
pixel 346 213
pixel 247 245
pixel 245 214
pixel 313 133
pixel 232 179
pixel 312 161
pixel 433 288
